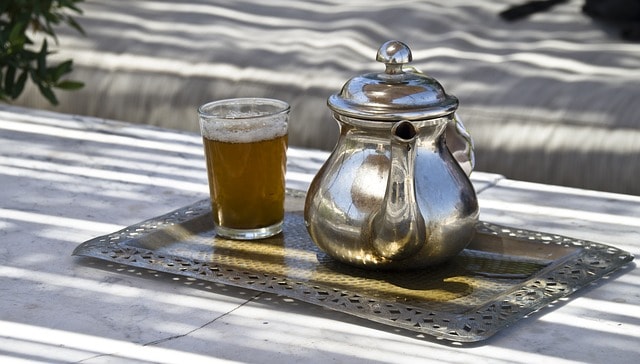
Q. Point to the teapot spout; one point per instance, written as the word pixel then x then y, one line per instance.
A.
pixel 398 230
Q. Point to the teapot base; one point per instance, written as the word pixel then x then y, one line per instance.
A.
pixel 423 259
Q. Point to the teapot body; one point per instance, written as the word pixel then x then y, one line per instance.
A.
pixel 352 189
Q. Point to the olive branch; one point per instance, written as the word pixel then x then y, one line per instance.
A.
pixel 19 57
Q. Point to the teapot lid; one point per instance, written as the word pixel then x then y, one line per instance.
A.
pixel 394 94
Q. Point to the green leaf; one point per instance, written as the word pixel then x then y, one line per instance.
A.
pixel 42 60
pixel 48 94
pixel 71 5
pixel 16 36
pixel 19 87
pixel 61 70
pixel 75 25
pixel 9 79
pixel 19 57
pixel 29 56
pixel 70 85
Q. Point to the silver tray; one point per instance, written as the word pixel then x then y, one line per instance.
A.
pixel 504 274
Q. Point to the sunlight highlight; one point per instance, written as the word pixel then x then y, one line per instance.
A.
pixel 99 345
pixel 112 290
pixel 88 135
pixel 59 221
pixel 601 325
pixel 540 60
pixel 89 172
pixel 569 213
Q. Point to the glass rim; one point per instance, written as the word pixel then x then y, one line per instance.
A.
pixel 284 107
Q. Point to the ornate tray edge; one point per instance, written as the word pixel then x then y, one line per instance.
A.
pixel 592 262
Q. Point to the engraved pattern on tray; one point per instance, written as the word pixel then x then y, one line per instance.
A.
pixel 504 274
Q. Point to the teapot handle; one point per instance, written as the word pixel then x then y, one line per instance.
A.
pixel 460 144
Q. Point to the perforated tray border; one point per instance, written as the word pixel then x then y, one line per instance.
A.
pixel 559 279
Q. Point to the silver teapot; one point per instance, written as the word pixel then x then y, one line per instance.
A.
pixel 395 192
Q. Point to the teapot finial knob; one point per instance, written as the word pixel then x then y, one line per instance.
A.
pixel 394 54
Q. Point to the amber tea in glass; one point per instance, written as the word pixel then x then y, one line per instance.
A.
pixel 245 143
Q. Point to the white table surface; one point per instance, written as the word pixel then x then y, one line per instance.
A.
pixel 66 179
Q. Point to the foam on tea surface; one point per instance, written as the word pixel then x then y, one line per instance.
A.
pixel 243 123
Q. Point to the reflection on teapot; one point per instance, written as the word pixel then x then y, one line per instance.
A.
pixel 391 195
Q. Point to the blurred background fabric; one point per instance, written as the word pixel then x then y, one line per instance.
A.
pixel 553 97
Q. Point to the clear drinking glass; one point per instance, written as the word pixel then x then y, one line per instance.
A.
pixel 245 143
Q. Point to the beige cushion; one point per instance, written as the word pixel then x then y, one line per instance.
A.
pixel 553 98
